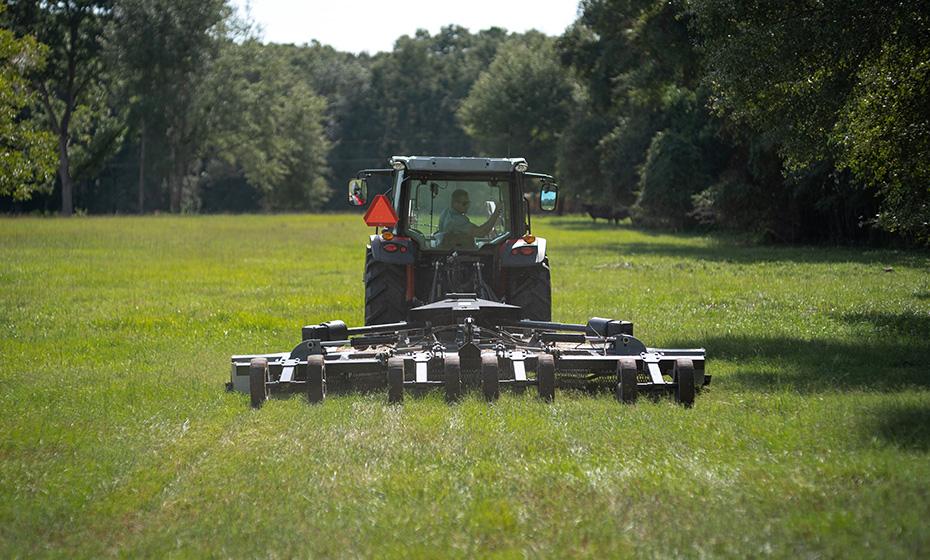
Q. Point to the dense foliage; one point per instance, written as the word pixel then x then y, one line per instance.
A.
pixel 163 50
pixel 521 103
pixel 844 81
pixel 792 122
pixel 27 159
pixel 70 86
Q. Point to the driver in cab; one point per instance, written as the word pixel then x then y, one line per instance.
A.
pixel 455 227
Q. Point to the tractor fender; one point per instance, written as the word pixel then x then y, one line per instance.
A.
pixel 520 246
pixel 404 250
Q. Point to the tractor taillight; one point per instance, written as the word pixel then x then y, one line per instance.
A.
pixel 389 247
pixel 523 251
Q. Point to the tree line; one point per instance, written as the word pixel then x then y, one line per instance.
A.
pixel 792 121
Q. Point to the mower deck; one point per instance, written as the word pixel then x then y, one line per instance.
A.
pixel 463 342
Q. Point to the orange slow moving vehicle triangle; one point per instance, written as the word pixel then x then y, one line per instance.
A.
pixel 381 213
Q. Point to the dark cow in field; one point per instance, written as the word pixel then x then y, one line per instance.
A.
pixel 609 213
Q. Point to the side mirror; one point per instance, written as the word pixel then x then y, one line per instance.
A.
pixel 358 192
pixel 548 196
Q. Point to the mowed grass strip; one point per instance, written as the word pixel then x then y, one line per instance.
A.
pixel 115 335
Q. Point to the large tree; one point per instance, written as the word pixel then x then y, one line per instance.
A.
pixel 266 126
pixel 342 80
pixel 417 88
pixel 73 32
pixel 520 104
pixel 27 153
pixel 163 50
pixel 641 72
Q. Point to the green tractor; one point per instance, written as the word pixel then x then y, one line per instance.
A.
pixel 452 225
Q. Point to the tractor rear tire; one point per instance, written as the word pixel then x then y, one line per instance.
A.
pixel 684 377
pixel 258 377
pixel 545 377
pixel 385 292
pixel 531 289
pixel 627 388
pixel 316 379
pixel 490 377
pixel 395 380
pixel 452 374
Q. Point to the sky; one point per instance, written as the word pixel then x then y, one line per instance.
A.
pixel 372 26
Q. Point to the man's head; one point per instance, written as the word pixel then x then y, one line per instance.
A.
pixel 460 200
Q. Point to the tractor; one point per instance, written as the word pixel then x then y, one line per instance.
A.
pixel 458 295
pixel 464 226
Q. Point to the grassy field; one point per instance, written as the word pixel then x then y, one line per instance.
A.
pixel 118 439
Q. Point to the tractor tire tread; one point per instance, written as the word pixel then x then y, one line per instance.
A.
pixel 531 290
pixel 385 292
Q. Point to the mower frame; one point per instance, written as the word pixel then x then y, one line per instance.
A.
pixel 467 350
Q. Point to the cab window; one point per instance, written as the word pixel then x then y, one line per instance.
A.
pixel 444 213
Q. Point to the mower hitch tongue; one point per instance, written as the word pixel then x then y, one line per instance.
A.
pixel 464 341
pixel 458 294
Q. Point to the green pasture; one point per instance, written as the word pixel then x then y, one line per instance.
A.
pixel 117 439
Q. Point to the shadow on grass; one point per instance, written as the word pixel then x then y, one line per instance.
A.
pixel 907 324
pixel 588 225
pixel 904 426
pixel 723 251
pixel 777 363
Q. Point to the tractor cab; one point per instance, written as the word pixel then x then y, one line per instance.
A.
pixel 449 204
pixel 454 225
pixel 458 213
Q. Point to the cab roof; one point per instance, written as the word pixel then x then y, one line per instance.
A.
pixel 458 164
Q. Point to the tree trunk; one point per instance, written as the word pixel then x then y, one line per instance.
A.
pixel 142 171
pixel 64 173
pixel 175 186
pixel 174 201
pixel 174 191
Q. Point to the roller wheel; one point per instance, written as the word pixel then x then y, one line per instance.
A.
pixel 627 390
pixel 545 377
pixel 452 374
pixel 258 377
pixel 395 380
pixel 316 379
pixel 684 377
pixel 490 372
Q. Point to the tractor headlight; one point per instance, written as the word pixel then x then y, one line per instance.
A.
pixel 398 165
pixel 521 167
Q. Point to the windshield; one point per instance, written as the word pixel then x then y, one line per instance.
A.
pixel 457 213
